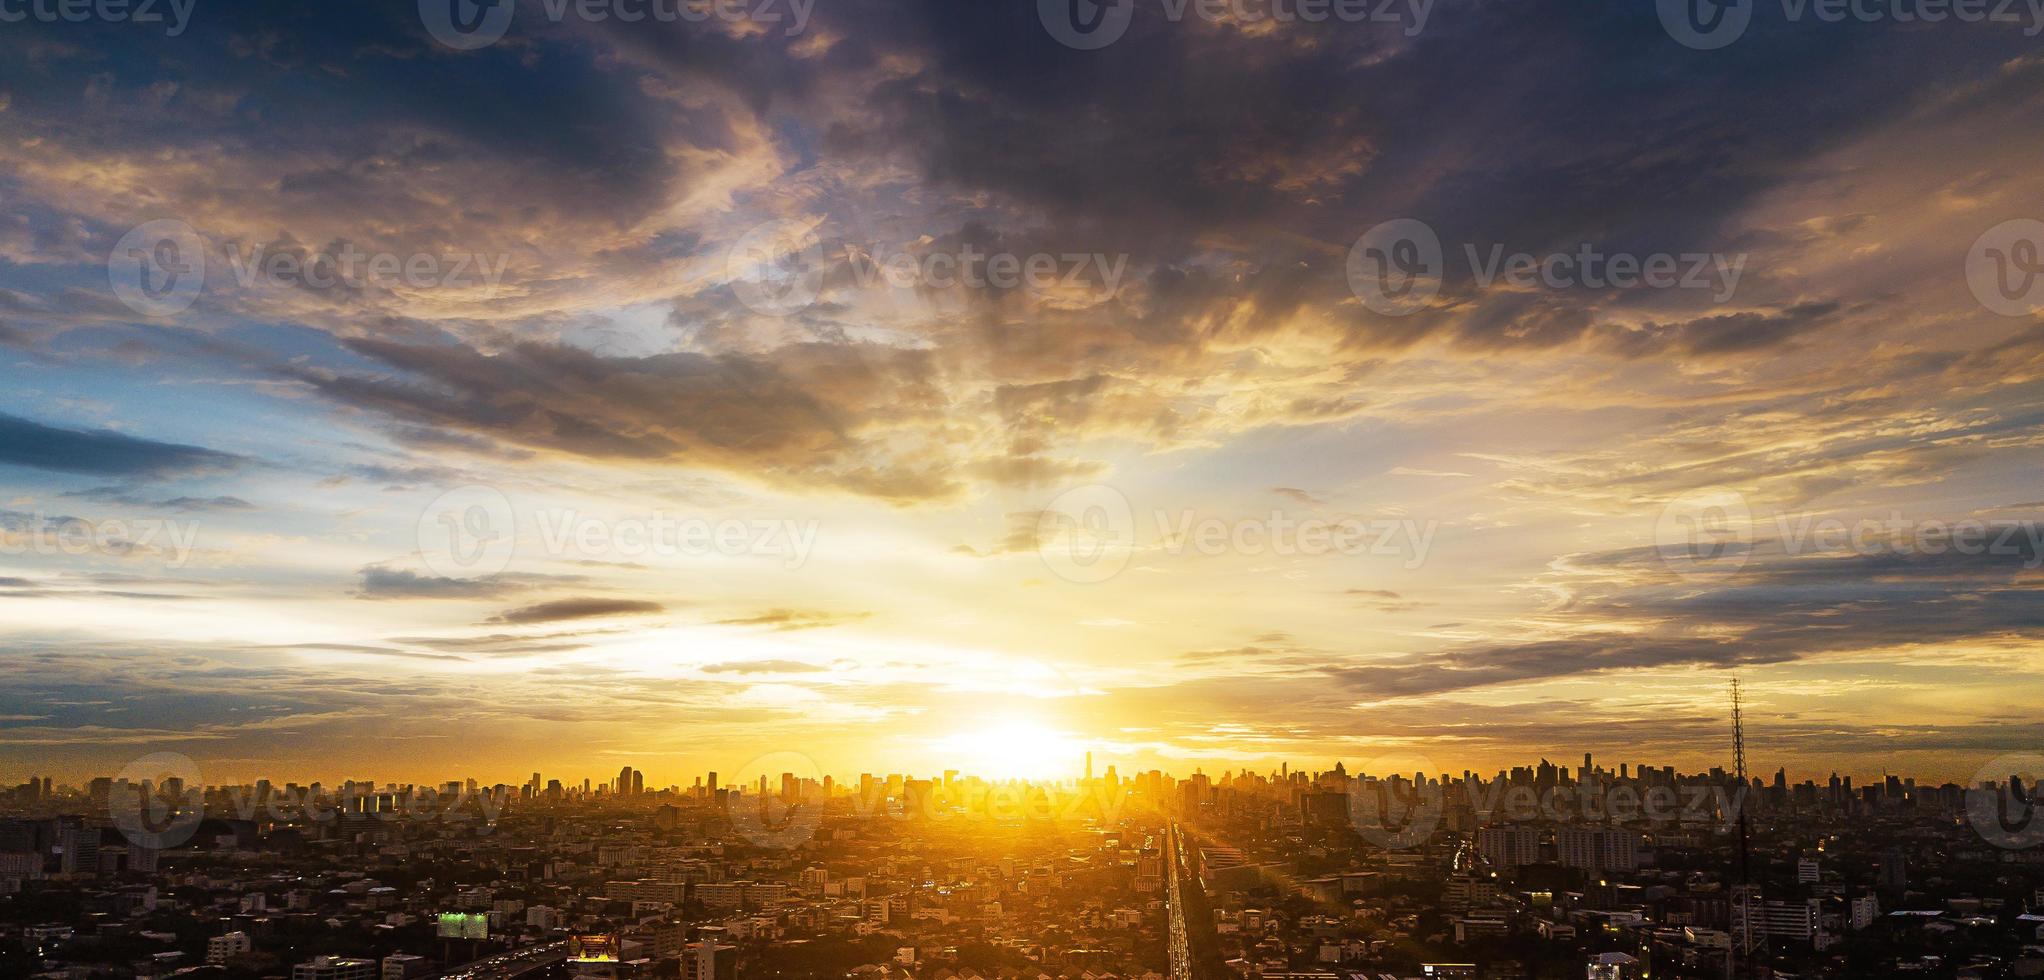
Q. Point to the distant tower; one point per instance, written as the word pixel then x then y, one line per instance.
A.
pixel 1089 767
pixel 1751 947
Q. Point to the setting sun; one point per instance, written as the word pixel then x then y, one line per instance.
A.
pixel 1014 749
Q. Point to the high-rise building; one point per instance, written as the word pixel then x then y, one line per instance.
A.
pixel 335 968
pixel 1613 966
pixel 1597 849
pixel 220 949
pixel 1894 873
pixel 1797 921
pixel 1865 910
pixel 1509 846
pixel 406 966
pixel 707 960
pixel 80 844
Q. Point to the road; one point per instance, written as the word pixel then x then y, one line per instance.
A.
pixel 511 963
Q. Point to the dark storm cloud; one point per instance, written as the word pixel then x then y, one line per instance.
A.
pixel 1507 663
pixel 795 416
pixel 103 453
pixel 1720 334
pixel 1230 168
pixel 379 582
pixel 363 87
pixel 1632 141
pixel 1776 606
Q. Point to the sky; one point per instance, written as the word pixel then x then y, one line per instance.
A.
pixel 910 385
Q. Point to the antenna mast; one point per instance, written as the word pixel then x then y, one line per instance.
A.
pixel 1746 897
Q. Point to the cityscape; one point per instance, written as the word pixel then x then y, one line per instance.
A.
pixel 1546 870
pixel 1021 489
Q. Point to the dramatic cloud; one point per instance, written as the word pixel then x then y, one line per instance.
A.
pixel 381 582
pixel 559 610
pixel 102 453
pixel 587 377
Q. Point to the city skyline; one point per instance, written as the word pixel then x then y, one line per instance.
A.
pixel 747 778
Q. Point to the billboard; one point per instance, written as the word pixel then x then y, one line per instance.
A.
pixel 594 948
pixel 463 925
